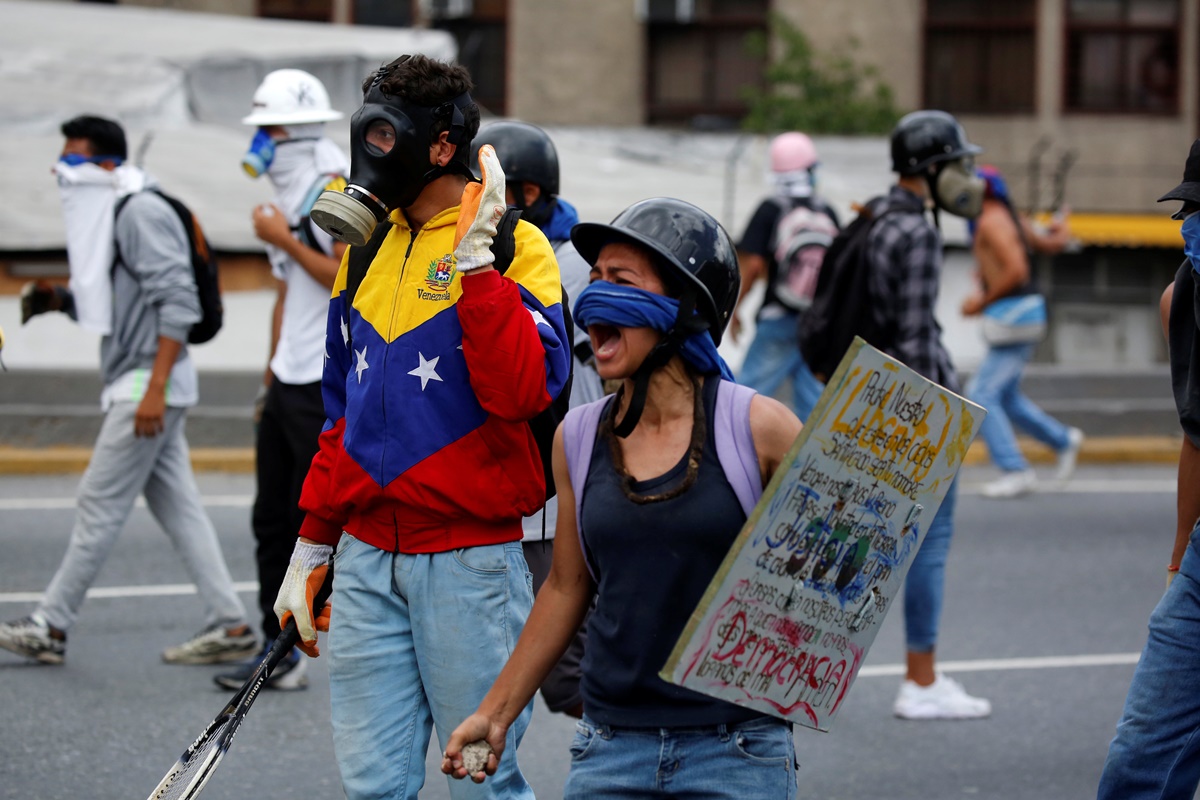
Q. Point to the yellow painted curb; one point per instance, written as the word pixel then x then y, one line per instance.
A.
pixel 1095 450
pixel 60 460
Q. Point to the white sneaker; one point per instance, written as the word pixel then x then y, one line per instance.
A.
pixel 1069 454
pixel 1011 484
pixel 945 698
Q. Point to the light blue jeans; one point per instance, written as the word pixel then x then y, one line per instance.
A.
pixel 774 356
pixel 997 387
pixel 926 580
pixel 1156 752
pixel 739 762
pixel 415 641
pixel 159 468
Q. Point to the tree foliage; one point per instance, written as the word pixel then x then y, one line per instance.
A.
pixel 815 92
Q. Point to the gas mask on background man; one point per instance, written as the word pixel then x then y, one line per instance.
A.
pixel 958 189
pixel 389 162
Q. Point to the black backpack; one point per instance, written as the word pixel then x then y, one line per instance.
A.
pixel 504 247
pixel 204 269
pixel 842 306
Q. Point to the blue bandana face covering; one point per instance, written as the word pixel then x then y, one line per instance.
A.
pixel 258 158
pixel 623 306
pixel 75 159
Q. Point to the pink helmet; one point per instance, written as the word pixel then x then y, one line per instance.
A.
pixel 791 152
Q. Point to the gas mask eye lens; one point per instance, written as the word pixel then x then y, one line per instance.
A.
pixel 381 136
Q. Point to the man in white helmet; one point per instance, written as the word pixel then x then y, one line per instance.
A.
pixel 289 147
pixel 784 244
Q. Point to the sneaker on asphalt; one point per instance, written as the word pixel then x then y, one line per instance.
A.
pixel 1069 455
pixel 30 637
pixel 945 698
pixel 290 673
pixel 213 645
pixel 1011 484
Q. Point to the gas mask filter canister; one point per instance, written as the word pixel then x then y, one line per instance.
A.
pixel 258 158
pixel 959 190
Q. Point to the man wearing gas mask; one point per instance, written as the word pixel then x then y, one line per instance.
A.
pixel 935 164
pixel 426 464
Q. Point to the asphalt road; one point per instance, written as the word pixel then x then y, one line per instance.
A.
pixel 1046 608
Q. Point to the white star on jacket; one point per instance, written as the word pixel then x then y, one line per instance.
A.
pixel 362 364
pixel 538 319
pixel 427 370
pixel 345 332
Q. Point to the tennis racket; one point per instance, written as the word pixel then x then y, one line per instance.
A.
pixel 197 764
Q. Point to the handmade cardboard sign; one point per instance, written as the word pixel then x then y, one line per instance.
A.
pixel 787 620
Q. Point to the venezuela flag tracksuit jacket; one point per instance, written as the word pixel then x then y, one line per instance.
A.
pixel 428 387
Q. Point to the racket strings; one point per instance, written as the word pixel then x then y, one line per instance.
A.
pixel 186 779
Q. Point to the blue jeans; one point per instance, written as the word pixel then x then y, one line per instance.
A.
pixel 997 387
pixel 415 641
pixel 926 579
pixel 774 356
pixel 751 760
pixel 1156 752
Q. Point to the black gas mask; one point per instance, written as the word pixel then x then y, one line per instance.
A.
pixel 389 161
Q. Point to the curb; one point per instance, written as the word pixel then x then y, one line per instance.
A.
pixel 1095 450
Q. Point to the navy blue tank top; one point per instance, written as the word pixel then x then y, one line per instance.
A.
pixel 653 563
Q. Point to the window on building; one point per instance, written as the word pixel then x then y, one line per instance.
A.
pixel 480 27
pixel 309 10
pixel 1123 55
pixel 698 62
pixel 980 55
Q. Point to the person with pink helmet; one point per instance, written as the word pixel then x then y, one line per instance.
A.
pixel 783 244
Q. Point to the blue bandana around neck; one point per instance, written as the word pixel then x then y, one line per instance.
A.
pixel 604 303
pixel 562 219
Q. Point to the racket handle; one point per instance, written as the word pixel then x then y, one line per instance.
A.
pixel 289 637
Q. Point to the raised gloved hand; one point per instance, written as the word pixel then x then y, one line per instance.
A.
pixel 482 207
pixel 305 575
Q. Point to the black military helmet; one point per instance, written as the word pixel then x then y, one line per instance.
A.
pixel 525 151
pixel 923 138
pixel 687 241
pixel 1189 189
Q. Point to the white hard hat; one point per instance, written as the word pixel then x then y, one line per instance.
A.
pixel 290 97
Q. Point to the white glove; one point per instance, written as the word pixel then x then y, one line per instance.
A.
pixel 482 207
pixel 305 575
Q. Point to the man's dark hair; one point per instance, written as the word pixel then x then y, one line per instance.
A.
pixel 106 136
pixel 428 82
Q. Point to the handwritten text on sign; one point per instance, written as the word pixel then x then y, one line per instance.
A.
pixel 789 616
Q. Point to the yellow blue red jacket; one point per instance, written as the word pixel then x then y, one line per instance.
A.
pixel 428 388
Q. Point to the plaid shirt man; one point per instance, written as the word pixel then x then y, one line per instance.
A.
pixel 905 253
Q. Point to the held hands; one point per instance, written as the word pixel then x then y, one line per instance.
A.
pixel 148 419
pixel 270 225
pixel 482 207
pixel 476 729
pixel 973 304
pixel 305 575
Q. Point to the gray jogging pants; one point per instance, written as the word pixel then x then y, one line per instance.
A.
pixel 122 467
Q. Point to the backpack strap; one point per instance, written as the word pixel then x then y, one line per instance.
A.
pixel 579 439
pixel 735 443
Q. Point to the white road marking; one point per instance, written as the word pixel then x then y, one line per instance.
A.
pixel 1078 486
pixel 1004 664
pixel 121 592
pixel 59 503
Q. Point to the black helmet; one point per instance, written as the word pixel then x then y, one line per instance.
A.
pixel 1189 189
pixel 923 138
pixel 525 151
pixel 688 241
